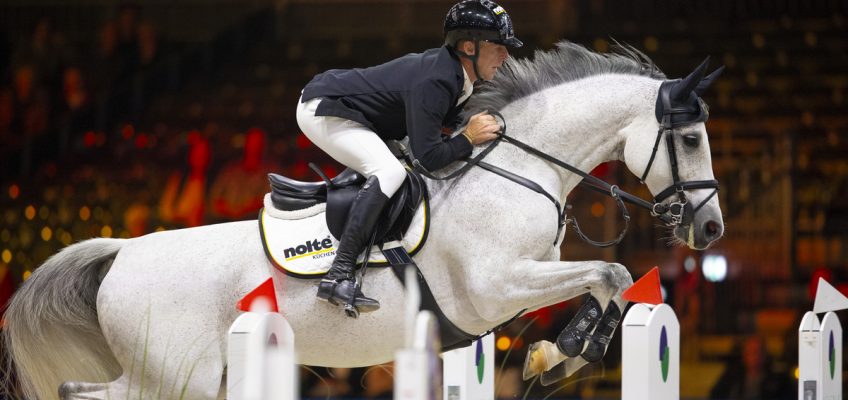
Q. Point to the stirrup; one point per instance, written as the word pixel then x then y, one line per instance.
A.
pixel 341 293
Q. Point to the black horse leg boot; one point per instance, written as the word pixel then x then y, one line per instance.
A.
pixel 338 286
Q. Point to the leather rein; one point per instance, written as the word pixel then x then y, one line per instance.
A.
pixel 676 213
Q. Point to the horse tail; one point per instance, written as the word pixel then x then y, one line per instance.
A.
pixel 51 330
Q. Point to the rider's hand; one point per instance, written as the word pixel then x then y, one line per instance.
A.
pixel 481 128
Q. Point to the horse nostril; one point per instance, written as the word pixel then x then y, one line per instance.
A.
pixel 712 229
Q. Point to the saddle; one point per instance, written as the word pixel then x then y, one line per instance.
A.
pixel 338 193
pixel 298 198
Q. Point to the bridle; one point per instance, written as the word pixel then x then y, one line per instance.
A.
pixel 674 214
pixel 681 211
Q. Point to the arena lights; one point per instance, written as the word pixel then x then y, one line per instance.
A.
pixel 84 213
pixel 689 264
pixel 66 238
pixel 714 267
pixel 46 234
pixel 598 209
pixel 503 343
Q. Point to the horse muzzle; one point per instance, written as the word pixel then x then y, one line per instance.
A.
pixel 699 230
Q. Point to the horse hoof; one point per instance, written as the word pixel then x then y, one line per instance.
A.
pixel 554 375
pixel 535 361
pixel 541 356
pixel 351 311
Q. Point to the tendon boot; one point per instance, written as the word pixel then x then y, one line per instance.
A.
pixel 339 285
pixel 572 339
pixel 602 336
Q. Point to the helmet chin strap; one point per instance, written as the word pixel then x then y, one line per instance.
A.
pixel 473 59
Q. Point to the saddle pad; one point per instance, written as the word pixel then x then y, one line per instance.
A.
pixel 301 245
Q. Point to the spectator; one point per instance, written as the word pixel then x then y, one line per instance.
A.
pixel 42 53
pixel 184 197
pixel 752 377
pixel 7 114
pixel 76 108
pixel 30 119
pixel 146 73
pixel 104 70
pixel 239 189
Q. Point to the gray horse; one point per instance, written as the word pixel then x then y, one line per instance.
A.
pixel 148 317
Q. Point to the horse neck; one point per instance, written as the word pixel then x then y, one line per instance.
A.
pixel 577 122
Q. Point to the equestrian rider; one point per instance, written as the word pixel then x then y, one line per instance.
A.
pixel 349 114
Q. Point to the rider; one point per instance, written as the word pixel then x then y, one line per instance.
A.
pixel 349 114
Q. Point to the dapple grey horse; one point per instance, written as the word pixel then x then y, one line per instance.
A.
pixel 148 317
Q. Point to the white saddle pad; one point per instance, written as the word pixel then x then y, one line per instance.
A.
pixel 300 244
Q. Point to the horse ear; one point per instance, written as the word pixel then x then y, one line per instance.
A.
pixel 682 89
pixel 708 80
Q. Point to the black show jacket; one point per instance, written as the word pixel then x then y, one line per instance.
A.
pixel 414 95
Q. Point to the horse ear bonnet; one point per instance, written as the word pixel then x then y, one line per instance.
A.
pixel 680 99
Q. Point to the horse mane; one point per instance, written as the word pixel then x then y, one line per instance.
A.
pixel 518 78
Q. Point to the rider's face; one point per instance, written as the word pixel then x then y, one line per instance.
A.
pixel 492 56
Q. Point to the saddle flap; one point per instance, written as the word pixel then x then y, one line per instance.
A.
pixel 396 217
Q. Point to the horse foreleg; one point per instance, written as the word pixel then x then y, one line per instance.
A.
pixel 538 284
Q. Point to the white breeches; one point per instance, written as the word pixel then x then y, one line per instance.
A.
pixel 353 145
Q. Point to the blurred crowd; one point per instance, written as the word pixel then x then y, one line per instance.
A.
pixel 116 135
pixel 52 93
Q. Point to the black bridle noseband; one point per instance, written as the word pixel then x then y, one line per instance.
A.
pixel 676 213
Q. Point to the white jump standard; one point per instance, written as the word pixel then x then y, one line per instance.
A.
pixel 820 347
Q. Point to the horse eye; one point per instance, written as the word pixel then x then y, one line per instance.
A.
pixel 691 140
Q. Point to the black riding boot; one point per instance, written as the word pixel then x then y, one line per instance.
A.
pixel 338 286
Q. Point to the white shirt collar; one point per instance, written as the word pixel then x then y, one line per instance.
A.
pixel 467 88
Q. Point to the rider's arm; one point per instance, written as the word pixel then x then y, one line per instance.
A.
pixel 426 107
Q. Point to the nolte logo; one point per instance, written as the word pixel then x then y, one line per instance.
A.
pixel 310 248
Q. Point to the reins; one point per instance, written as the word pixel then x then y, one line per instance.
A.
pixel 670 215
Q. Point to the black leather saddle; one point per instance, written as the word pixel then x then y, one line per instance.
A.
pixel 290 195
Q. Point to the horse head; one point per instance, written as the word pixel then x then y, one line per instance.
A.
pixel 670 151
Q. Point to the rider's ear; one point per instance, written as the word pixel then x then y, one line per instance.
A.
pixel 468 47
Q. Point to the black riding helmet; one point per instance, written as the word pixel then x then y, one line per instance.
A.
pixel 478 20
